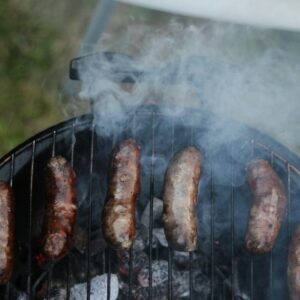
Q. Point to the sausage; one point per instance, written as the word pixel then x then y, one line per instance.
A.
pixel 268 208
pixel 7 220
pixel 118 218
pixel 61 209
pixel 293 271
pixel 180 197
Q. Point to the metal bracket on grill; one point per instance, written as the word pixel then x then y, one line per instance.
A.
pixel 116 66
pixel 122 68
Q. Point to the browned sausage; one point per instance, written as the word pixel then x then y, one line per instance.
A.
pixel 7 219
pixel 180 197
pixel 61 209
pixel 118 219
pixel 268 208
pixel 294 266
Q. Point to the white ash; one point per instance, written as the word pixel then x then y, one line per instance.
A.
pixel 98 288
pixel 142 293
pixel 159 274
pixel 22 296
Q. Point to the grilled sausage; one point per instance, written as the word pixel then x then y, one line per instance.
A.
pixel 293 271
pixel 180 197
pixel 61 209
pixel 268 208
pixel 118 219
pixel 7 219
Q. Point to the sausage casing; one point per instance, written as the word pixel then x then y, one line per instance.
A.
pixel 7 219
pixel 180 197
pixel 293 271
pixel 61 208
pixel 118 219
pixel 268 208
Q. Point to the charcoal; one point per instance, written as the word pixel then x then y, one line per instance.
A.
pixel 180 284
pixel 141 238
pixel 80 239
pixel 78 268
pixel 58 294
pixel 139 259
pixel 97 246
pixel 57 290
pixel 181 259
pixel 142 293
pixel 159 274
pixel 98 288
pixel 201 284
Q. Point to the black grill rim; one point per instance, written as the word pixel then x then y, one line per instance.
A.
pixel 262 139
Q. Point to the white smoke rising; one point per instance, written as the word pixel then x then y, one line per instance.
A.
pixel 211 67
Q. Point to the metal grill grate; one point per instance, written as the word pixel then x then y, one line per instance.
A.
pixel 147 126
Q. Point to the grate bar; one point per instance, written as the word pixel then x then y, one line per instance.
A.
pixel 53 143
pixel 133 125
pixel 88 279
pixel 191 274
pixel 29 257
pixel 108 274
pixel 232 232
pixel 11 176
pixel 289 201
pixel 151 205
pixel 271 253
pixel 256 143
pixel 49 275
pixel 251 255
pixel 170 251
pixel 191 253
pixel 294 169
pixel 68 257
pixel 130 273
pixel 212 231
pixel 279 157
pixel 170 263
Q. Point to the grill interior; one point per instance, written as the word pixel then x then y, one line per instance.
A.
pixel 222 209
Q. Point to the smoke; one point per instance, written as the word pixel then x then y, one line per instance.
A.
pixel 234 71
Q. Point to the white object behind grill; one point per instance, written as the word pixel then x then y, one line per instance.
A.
pixel 283 14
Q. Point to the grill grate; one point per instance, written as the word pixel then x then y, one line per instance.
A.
pixel 63 139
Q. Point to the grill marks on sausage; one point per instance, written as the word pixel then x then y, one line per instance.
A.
pixel 293 271
pixel 58 228
pixel 118 220
pixel 7 219
pixel 268 208
pixel 180 197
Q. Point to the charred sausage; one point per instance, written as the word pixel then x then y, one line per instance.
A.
pixel 180 197
pixel 118 219
pixel 7 219
pixel 294 266
pixel 268 208
pixel 61 209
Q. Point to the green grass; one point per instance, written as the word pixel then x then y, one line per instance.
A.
pixel 27 100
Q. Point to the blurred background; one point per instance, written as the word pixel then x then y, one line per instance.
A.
pixel 39 38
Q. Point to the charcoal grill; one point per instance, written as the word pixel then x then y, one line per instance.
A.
pixel 223 204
